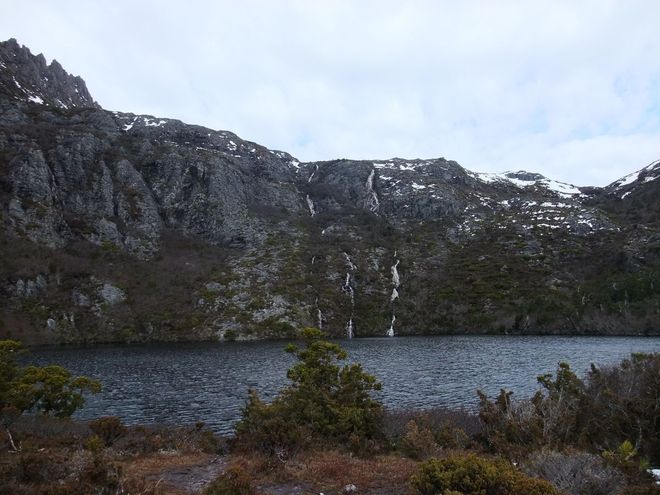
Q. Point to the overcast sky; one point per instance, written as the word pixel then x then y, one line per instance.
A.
pixel 568 89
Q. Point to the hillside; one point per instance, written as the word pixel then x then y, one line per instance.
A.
pixel 123 227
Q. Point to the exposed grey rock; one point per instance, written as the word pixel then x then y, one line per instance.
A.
pixel 28 78
pixel 80 299
pixel 110 294
pixel 30 288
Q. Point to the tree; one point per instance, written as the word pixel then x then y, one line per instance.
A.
pixel 325 402
pixel 48 390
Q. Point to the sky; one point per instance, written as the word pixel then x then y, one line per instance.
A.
pixel 569 89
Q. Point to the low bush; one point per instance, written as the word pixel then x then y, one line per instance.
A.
pixel 108 429
pixel 234 481
pixel 418 442
pixel 472 475
pixel 452 428
pixel 575 473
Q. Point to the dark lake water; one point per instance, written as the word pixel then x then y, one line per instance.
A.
pixel 184 383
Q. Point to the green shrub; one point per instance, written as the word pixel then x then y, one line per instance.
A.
pixel 472 475
pixel 326 404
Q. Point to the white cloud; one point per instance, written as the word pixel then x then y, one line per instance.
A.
pixel 569 89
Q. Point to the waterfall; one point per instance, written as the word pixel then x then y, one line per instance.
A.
pixel 351 265
pixel 319 316
pixel 371 202
pixel 312 176
pixel 390 331
pixel 347 288
pixel 313 259
pixel 310 205
pixel 396 281
pixel 395 275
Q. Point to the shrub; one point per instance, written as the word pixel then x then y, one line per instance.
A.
pixel 575 473
pixel 613 405
pixel 451 428
pixel 234 481
pixel 325 404
pixel 418 443
pixel 108 429
pixel 472 475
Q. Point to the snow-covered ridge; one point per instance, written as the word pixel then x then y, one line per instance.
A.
pixel 402 165
pixel 647 174
pixel 525 179
pixel 131 120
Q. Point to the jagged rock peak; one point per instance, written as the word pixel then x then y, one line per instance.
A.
pixel 27 77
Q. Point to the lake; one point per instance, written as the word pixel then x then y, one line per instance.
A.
pixel 183 383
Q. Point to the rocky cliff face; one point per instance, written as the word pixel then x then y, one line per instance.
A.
pixel 123 227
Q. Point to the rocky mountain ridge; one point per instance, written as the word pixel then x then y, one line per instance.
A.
pixel 124 227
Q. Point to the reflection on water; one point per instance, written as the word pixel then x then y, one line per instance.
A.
pixel 184 383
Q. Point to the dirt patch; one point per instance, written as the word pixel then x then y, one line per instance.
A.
pixel 193 478
pixel 181 474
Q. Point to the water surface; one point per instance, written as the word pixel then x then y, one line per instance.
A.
pixel 184 383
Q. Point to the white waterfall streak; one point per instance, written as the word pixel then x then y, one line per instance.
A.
pixel 312 176
pixel 395 275
pixel 350 264
pixel 310 205
pixel 348 289
pixel 319 316
pixel 390 331
pixel 371 202
pixel 396 281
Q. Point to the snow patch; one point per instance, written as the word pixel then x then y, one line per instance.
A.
pixel 152 123
pixel 561 188
pixel 128 127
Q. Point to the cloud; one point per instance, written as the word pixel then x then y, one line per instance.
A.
pixel 568 89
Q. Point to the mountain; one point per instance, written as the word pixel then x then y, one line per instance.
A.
pixel 124 227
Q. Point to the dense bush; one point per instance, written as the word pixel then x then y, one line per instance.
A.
pixel 326 404
pixel 472 475
pixel 611 406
